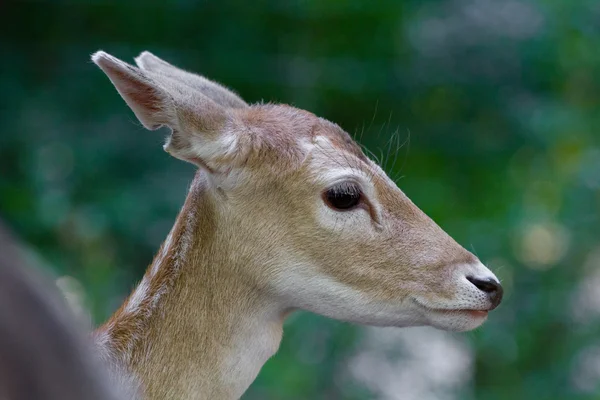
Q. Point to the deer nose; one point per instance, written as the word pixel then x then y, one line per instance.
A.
pixel 491 287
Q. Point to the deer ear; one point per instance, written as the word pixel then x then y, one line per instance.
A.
pixel 214 91
pixel 150 104
pixel 197 123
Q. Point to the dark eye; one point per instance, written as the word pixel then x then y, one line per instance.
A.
pixel 342 197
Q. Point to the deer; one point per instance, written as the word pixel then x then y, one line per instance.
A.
pixel 285 212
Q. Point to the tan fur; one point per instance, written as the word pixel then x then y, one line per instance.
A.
pixel 255 241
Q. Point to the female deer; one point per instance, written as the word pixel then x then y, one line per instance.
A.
pixel 284 213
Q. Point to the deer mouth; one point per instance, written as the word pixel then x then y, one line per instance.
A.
pixel 443 311
pixel 457 319
pixel 477 313
pixel 469 312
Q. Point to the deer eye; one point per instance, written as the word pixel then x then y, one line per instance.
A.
pixel 342 197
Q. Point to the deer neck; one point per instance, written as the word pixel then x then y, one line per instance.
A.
pixel 195 327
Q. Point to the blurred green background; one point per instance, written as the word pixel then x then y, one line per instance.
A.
pixel 500 100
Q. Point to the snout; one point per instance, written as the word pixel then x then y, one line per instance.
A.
pixel 474 289
pixel 491 287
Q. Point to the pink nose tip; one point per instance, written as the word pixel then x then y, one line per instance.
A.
pixel 490 287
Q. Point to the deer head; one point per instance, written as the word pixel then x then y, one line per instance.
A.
pixel 323 227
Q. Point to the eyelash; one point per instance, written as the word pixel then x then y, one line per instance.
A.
pixel 345 196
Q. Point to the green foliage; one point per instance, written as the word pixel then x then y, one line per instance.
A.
pixel 499 100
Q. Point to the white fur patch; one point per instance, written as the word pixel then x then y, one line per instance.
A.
pixel 256 340
pixel 163 254
pixel 207 150
pixel 137 297
pixel 307 289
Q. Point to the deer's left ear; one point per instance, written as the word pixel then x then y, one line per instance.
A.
pixel 198 124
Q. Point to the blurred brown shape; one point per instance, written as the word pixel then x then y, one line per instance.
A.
pixel 43 353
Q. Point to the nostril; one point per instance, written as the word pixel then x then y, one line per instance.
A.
pixel 487 285
pixel 490 286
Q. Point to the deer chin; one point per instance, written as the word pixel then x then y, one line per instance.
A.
pixel 453 319
pixel 456 320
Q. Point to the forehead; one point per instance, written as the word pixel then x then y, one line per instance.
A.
pixel 294 141
pixel 338 138
pixel 290 134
